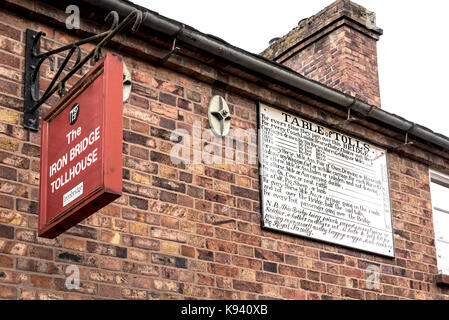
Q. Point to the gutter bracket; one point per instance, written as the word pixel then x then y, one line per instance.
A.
pixel 349 119
pixel 174 48
pixel 406 142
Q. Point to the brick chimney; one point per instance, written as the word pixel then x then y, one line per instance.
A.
pixel 336 47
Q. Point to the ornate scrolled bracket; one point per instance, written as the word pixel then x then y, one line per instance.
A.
pixel 34 60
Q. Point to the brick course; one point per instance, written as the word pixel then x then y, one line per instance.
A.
pixel 192 230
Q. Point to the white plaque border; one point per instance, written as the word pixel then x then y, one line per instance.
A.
pixel 260 105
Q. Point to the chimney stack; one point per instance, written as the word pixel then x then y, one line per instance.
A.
pixel 336 47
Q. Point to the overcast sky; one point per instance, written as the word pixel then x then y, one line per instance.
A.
pixel 413 54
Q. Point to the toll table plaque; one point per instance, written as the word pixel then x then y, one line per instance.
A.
pixel 322 184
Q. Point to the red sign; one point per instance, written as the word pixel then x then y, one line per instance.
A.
pixel 81 156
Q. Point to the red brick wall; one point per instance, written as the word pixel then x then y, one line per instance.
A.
pixel 345 60
pixel 187 230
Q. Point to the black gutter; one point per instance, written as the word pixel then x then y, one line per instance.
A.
pixel 269 69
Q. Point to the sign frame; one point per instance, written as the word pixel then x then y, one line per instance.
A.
pixel 260 105
pixel 109 71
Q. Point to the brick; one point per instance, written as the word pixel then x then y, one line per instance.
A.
pixel 171 248
pixel 219 174
pixel 107 236
pixel 8 292
pixel 139 152
pixel 8 173
pixel 41 281
pixel 223 246
pixel 247 262
pixel 165 110
pixel 292 271
pixel 165 159
pixel 331 257
pixel 245 193
pixel 144 166
pixel 83 231
pixel 205 255
pixel 167 260
pixel 69 257
pixel 6 261
pixel 247 286
pixel 166 285
pixel 164 234
pixel 188 251
pixel 27 206
pixel 138 203
pixel 165 98
pixel 169 185
pixel 222 270
pixel 313 286
pixel 269 278
pixel 108 291
pixel 137 268
pixel 246 239
pixel 108 250
pixel 13 248
pixel 135 138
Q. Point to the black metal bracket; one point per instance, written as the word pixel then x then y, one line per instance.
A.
pixel 174 48
pixel 34 60
pixel 349 119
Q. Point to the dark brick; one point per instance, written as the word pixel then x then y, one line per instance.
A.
pixel 219 174
pixel 165 135
pixel 138 203
pixel 132 137
pixel 139 190
pixel 13 160
pixel 167 123
pixel 195 192
pixel 74 257
pixel 83 231
pixel 165 159
pixel 331 257
pixel 27 206
pixel 167 260
pixel 245 193
pixel 6 232
pixel 270 267
pixel 205 255
pixel 8 173
pixel 184 104
pixel 169 184
pixel 125 174
pixel 31 150
pixel 167 99
pixel 185 177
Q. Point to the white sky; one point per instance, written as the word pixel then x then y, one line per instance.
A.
pixel 413 53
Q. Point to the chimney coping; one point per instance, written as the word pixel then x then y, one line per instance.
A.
pixel 326 17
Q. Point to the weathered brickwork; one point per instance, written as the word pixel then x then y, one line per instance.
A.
pixel 336 47
pixel 190 230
